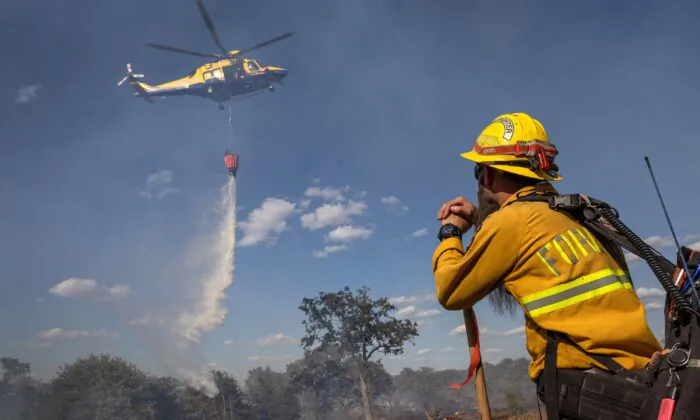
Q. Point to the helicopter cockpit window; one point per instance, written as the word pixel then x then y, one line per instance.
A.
pixel 218 73
pixel 253 66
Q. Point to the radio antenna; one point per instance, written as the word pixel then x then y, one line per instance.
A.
pixel 673 232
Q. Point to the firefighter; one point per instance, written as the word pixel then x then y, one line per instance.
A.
pixel 581 309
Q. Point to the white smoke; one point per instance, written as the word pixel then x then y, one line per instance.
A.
pixel 209 311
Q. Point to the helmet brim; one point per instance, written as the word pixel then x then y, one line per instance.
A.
pixel 516 170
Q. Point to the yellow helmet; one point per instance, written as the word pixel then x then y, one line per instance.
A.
pixel 516 143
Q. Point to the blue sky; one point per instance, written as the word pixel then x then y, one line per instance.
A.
pixel 380 100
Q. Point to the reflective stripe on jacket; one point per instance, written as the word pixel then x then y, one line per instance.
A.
pixel 561 276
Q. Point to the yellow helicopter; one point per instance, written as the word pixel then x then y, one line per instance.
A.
pixel 231 75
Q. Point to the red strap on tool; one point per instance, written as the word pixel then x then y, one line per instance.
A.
pixel 668 404
pixel 475 356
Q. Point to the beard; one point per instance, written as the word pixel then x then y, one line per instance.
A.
pixel 501 301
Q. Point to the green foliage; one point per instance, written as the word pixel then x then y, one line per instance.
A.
pixel 271 395
pixel 321 381
pixel 335 379
pixel 321 385
pixel 357 324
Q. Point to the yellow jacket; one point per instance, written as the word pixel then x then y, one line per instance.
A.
pixel 560 275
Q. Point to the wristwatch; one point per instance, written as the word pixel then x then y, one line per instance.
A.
pixel 448 230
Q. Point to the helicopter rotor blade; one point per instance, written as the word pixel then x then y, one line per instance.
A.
pixel 266 43
pixel 182 51
pixel 210 25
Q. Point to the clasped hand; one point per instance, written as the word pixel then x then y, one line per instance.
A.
pixel 459 212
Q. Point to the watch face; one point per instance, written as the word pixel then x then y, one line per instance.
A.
pixel 448 231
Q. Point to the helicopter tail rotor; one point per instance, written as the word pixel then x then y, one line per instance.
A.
pixel 132 78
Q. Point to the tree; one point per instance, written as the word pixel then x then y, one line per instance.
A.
pixel 379 383
pixel 320 380
pixel 514 401
pixel 271 396
pixel 100 387
pixel 231 399
pixel 425 390
pixel 359 326
pixel 164 394
pixel 20 394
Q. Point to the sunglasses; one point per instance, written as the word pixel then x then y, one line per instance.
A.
pixel 478 171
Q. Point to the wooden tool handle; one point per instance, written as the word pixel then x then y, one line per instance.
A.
pixel 482 397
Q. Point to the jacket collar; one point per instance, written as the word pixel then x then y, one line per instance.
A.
pixel 542 188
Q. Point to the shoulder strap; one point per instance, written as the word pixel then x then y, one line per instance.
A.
pixel 607 361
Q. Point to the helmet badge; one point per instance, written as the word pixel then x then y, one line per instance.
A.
pixel 507 128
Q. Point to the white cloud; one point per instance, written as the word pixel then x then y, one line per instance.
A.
pixel 332 214
pixel 26 94
pixel 654 305
pixel 266 222
pixel 423 351
pixel 657 241
pixel 61 333
pixel 330 249
pixel 327 193
pixel 278 338
pixel 144 320
pixel 420 232
pixel 650 292
pixel 347 233
pixel 447 349
pixel 408 310
pixel 159 185
pixel 424 322
pixel 228 342
pixel 428 313
pixel 493 350
pixel 486 332
pixel 506 333
pixel 119 291
pixel 393 202
pixel 79 288
pixel 150 319
pixel 257 358
pixel 409 300
pixel 460 329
